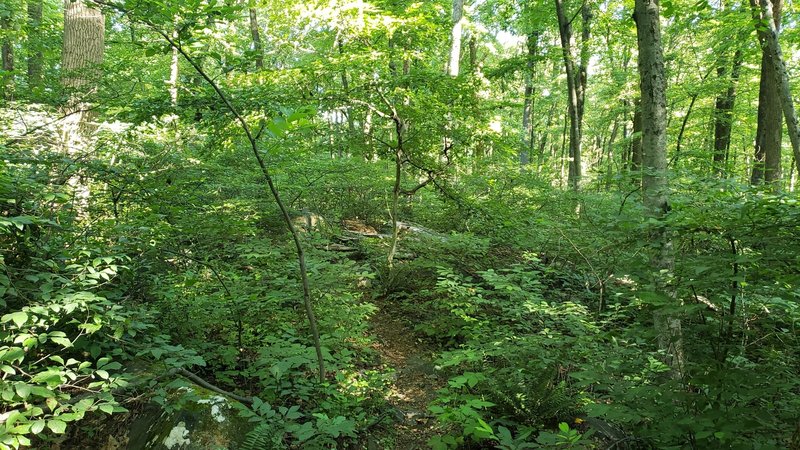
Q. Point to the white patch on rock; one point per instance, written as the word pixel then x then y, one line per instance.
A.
pixel 177 436
pixel 217 414
pixel 216 411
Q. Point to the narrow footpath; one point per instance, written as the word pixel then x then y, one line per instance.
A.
pixel 415 382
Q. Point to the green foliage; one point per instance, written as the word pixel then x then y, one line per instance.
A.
pixel 540 302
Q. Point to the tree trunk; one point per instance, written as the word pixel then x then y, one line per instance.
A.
pixel 636 136
pixel 84 33
pixel 723 113
pixel 473 53
pixel 254 32
pixel 769 131
pixel 455 37
pixel 82 55
pixel 351 127
pixel 575 104
pixel 782 80
pixel 7 58
pixel 174 69
pixel 610 151
pixel 35 57
pixel 545 134
pixel 527 108
pixel 655 182
pixel 682 130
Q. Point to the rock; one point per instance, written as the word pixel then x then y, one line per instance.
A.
pixel 204 420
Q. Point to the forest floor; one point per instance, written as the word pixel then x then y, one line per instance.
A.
pixel 415 382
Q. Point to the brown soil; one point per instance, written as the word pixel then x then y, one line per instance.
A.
pixel 415 382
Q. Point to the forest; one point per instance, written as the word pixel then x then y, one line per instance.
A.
pixel 399 224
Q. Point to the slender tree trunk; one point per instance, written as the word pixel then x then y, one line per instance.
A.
pixel 769 131
pixel 35 57
pixel 346 86
pixel 565 32
pixel 545 134
pixel 527 108
pixel 610 151
pixel 256 35
pixel 398 174
pixel 7 53
pixel 174 69
pixel 563 149
pixel 655 182
pixel 586 18
pixel 723 113
pixel 455 38
pixel 636 140
pixel 682 130
pixel 473 53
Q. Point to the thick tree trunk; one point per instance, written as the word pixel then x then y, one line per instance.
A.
pixel 655 182
pixel 82 55
pixel 769 131
pixel 455 38
pixel 723 113
pixel 84 33
pixel 781 77
pixel 256 35
pixel 35 56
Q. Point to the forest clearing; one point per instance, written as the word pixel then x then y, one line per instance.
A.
pixel 398 224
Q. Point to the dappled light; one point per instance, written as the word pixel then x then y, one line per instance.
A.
pixel 371 224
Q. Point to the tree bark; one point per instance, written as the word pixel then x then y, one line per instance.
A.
pixel 35 56
pixel 576 86
pixel 455 38
pixel 174 70
pixel 655 182
pixel 256 35
pixel 84 34
pixel 346 86
pixel 565 32
pixel 636 136
pixel 82 55
pixel 7 58
pixel 723 113
pixel 769 131
pixel 544 136
pixel 527 108
pixel 473 53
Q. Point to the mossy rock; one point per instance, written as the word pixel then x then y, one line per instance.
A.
pixel 192 418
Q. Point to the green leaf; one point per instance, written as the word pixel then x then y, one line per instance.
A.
pixel 38 426
pixel 64 342
pixel 57 426
pixel 23 390
pixel 19 318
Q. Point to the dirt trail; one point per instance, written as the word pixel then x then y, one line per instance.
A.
pixel 416 381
